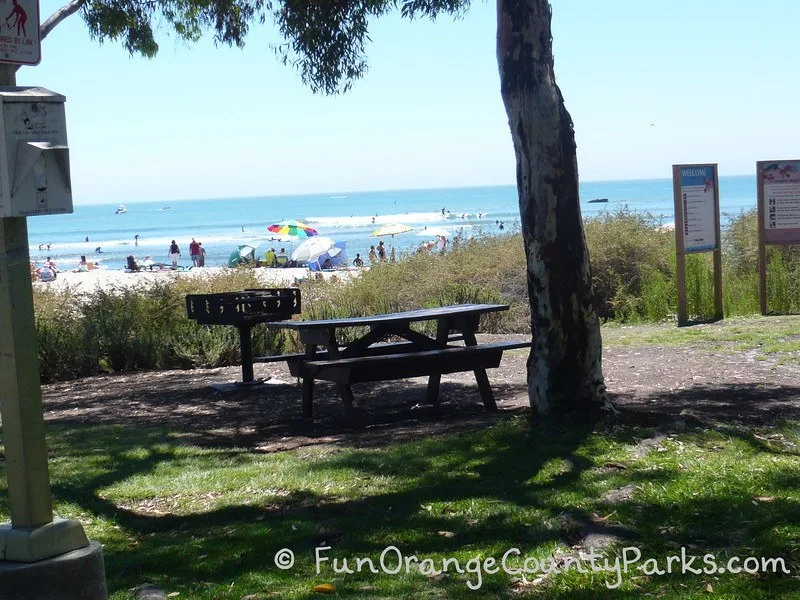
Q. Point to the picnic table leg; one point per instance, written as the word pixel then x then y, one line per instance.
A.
pixel 480 374
pixel 246 345
pixel 308 385
pixel 432 394
pixel 350 408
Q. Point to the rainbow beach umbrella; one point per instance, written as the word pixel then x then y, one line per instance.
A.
pixel 293 228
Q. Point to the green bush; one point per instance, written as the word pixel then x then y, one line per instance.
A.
pixel 137 328
pixel 629 253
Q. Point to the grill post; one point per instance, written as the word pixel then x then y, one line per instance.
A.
pixel 246 345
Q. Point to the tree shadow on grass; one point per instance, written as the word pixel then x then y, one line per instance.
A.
pixel 238 542
pixel 530 477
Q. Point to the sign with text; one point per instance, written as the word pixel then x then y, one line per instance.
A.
pixel 697 206
pixel 696 195
pixel 19 32
pixel 779 200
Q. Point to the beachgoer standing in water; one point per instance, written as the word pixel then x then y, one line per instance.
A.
pixel 381 251
pixel 194 252
pixel 174 254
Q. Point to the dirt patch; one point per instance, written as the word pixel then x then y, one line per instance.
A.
pixel 662 385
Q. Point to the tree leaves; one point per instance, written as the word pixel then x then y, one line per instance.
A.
pixel 324 41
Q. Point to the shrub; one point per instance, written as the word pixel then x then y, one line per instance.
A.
pixel 628 253
pixel 137 328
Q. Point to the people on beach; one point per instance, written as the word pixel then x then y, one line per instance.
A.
pixel 357 262
pixel 87 239
pixel 131 264
pixel 441 244
pixel 83 265
pixel 194 252
pixel 135 239
pixel 98 250
pixel 282 259
pixel 270 259
pixel 201 260
pixel 46 273
pixel 147 263
pixel 50 264
pixel 174 254
pixel 381 251
pixel 373 257
pixel 391 255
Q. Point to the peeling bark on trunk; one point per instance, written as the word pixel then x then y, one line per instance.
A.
pixel 564 366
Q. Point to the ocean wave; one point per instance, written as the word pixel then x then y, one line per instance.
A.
pixel 341 221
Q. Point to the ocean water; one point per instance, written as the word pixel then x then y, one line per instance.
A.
pixel 222 224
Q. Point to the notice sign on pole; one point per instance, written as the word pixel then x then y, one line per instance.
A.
pixel 778 188
pixel 779 201
pixel 698 207
pixel 19 32
pixel 696 189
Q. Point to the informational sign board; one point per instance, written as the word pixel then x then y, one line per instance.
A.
pixel 20 41
pixel 698 200
pixel 779 200
pixel 778 189
pixel 696 195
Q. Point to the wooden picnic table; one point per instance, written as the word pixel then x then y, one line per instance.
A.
pixel 370 358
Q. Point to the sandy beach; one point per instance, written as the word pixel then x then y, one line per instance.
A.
pixel 109 279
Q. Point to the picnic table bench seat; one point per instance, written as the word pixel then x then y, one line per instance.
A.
pixel 375 349
pixel 393 362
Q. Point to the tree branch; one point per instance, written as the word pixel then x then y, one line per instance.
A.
pixel 61 14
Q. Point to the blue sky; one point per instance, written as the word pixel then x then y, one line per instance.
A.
pixel 716 79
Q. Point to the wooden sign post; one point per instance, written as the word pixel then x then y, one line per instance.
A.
pixel 696 192
pixel 778 187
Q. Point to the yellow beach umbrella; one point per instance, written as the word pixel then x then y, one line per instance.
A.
pixel 391 230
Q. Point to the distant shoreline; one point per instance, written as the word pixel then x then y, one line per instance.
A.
pixel 87 282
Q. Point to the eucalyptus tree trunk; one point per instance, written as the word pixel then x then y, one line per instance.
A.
pixel 564 366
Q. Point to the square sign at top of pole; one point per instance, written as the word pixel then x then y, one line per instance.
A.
pixel 19 32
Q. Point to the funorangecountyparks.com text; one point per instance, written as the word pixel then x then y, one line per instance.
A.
pixel 392 561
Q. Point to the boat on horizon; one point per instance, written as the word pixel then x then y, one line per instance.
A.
pixel 598 200
pixel 120 210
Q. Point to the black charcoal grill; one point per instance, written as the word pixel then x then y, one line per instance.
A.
pixel 243 310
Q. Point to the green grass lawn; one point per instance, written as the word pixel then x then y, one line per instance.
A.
pixel 206 523
pixel 772 335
